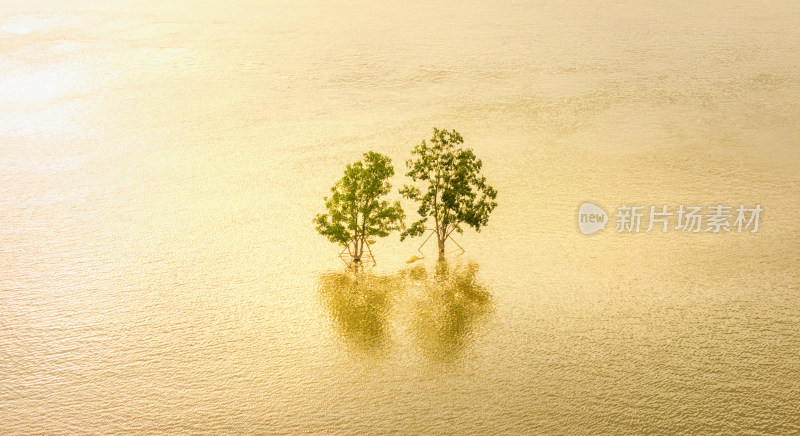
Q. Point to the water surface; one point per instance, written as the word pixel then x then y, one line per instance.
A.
pixel 161 164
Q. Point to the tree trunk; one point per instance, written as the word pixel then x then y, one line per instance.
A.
pixel 441 238
pixel 357 250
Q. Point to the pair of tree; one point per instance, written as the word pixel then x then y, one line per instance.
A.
pixel 453 193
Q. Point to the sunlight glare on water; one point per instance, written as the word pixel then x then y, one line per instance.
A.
pixel 161 163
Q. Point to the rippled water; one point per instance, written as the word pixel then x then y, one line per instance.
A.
pixel 161 163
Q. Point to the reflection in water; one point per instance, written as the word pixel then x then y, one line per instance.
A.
pixel 358 303
pixel 441 308
pixel 454 303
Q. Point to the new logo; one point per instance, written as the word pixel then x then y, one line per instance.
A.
pixel 591 218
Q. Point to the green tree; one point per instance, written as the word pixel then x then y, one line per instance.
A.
pixel 357 210
pixel 454 192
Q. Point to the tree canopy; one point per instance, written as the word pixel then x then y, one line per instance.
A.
pixel 454 192
pixel 357 210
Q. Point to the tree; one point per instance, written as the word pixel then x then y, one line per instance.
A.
pixel 357 210
pixel 454 192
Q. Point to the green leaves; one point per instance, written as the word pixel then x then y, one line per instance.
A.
pixel 357 211
pixel 451 192
pixel 454 192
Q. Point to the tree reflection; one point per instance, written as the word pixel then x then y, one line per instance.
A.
pixel 358 303
pixel 441 307
pixel 453 304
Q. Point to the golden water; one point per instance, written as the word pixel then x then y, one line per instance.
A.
pixel 161 164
